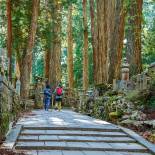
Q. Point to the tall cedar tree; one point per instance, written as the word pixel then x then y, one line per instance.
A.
pixel 85 48
pixel 70 49
pixel 110 35
pixel 26 64
pixel 9 38
pixel 94 37
pixel 101 64
pixel 133 36
pixel 115 28
pixel 55 60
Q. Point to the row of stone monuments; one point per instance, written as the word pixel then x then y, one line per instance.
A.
pixel 4 69
pixel 138 82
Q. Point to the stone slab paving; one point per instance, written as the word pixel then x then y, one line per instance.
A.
pixel 70 133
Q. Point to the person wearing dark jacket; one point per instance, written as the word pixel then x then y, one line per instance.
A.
pixel 47 97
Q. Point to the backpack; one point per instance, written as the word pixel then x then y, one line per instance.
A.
pixel 59 91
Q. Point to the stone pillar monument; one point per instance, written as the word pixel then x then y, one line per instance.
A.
pixel 125 70
pixel 138 82
pixel 125 74
pixel 18 85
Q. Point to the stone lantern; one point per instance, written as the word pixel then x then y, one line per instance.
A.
pixel 124 74
pixel 125 70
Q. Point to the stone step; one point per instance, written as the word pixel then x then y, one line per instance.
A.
pixel 96 135
pixel 103 129
pixel 75 139
pixel 70 152
pixel 71 132
pixel 67 133
pixel 89 146
pixel 69 140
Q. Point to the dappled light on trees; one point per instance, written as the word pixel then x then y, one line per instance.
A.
pixel 81 43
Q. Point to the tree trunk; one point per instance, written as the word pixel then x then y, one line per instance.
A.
pixel 120 43
pixel 94 37
pixel 111 38
pixel 55 60
pixel 27 54
pixel 9 38
pixel 70 49
pixel 133 36
pixel 85 48
pixel 115 38
pixel 110 35
pixel 101 64
pixel 47 63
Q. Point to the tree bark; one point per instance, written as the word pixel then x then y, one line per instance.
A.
pixel 70 50
pixel 55 60
pixel 101 64
pixel 120 43
pixel 115 38
pixel 110 35
pixel 111 38
pixel 133 36
pixel 94 38
pixel 9 38
pixel 85 48
pixel 47 63
pixel 27 54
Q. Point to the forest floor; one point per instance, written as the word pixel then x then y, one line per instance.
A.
pixel 9 152
pixel 145 130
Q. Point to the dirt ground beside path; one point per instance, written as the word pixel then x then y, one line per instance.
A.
pixel 9 152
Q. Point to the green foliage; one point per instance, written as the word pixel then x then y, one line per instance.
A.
pixel 114 116
pixel 151 103
pixel 3 24
pixel 8 114
pixel 149 46
pixel 5 119
pixel 148 33
pixel 139 97
pixel 21 18
pixel 132 96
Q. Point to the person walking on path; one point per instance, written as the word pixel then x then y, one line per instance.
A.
pixel 47 97
pixel 58 96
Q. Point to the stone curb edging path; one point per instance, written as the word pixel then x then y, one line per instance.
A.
pixel 139 139
pixel 70 133
pixel 12 137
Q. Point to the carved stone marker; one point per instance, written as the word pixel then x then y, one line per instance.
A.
pixel 18 85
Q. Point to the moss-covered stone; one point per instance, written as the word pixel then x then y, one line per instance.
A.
pixel 5 120
pixel 10 107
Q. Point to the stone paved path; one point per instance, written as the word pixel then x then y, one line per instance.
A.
pixel 70 133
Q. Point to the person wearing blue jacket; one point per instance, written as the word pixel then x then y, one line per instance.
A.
pixel 47 97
